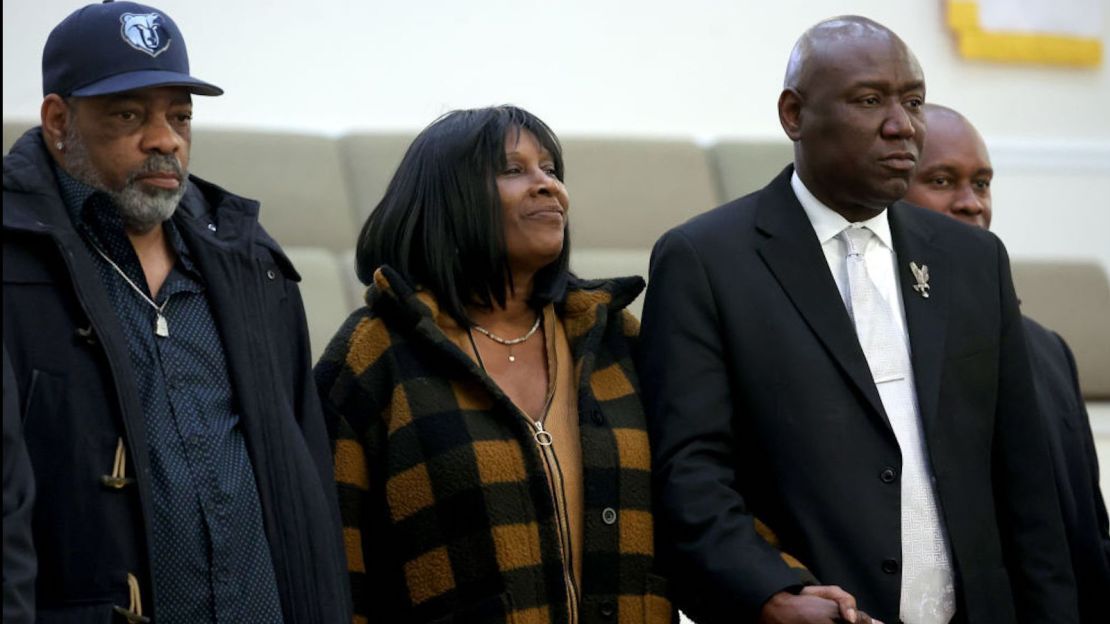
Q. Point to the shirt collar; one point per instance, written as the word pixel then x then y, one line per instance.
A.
pixel 827 223
pixel 75 194
pixel 104 223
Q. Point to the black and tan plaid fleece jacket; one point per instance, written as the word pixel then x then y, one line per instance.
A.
pixel 447 511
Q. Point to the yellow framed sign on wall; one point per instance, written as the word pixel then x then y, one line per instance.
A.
pixel 1058 32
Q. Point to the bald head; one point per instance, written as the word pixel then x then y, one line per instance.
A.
pixel 954 174
pixel 820 44
pixel 944 115
pixel 852 105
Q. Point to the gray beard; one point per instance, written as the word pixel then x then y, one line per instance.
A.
pixel 141 208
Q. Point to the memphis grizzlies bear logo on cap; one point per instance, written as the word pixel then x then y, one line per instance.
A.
pixel 143 31
pixel 101 49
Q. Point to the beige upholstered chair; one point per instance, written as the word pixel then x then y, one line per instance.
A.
pixel 605 262
pixel 369 161
pixel 743 167
pixel 624 193
pixel 297 177
pixel 356 290
pixel 1072 299
pixel 14 128
pixel 324 292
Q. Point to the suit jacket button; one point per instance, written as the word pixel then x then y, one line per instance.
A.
pixel 609 515
pixel 890 566
pixel 888 475
pixel 595 415
pixel 607 609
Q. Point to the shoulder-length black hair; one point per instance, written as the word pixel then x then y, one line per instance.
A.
pixel 440 223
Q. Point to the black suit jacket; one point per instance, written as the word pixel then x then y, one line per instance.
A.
pixel 761 404
pixel 1075 465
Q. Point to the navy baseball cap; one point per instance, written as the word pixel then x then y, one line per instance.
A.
pixel 115 47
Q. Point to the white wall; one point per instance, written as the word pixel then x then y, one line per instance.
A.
pixel 702 67
pixel 699 68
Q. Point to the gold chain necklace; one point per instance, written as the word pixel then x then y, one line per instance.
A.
pixel 509 342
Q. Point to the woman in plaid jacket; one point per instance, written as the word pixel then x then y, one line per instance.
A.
pixel 490 445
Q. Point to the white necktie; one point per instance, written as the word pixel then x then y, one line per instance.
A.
pixel 928 594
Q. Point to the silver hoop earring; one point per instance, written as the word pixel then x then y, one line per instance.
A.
pixel 61 146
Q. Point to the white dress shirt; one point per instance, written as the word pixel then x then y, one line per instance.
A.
pixel 879 254
pixel 927 591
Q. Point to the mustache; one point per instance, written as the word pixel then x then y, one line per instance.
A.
pixel 158 163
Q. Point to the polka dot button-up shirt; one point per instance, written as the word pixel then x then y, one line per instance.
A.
pixel 209 553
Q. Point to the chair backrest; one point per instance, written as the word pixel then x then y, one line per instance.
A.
pixel 13 129
pixel 625 193
pixel 1072 299
pixel 356 290
pixel 369 162
pixel 297 177
pixel 591 263
pixel 743 167
pixel 324 292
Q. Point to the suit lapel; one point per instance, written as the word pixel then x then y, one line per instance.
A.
pixel 926 317
pixel 793 253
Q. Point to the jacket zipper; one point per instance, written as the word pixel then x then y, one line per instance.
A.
pixel 555 481
pixel 554 478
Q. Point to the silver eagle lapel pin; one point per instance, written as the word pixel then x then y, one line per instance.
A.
pixel 921 276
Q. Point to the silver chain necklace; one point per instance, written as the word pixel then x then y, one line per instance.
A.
pixel 161 327
pixel 509 342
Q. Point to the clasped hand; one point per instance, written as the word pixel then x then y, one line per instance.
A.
pixel 820 604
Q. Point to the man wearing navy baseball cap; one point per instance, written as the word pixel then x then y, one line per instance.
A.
pixel 159 346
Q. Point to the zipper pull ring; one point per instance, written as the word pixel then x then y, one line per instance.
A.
pixel 543 437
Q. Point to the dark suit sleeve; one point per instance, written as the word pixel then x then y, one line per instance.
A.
pixel 1090 455
pixel 724 569
pixel 1029 522
pixel 19 494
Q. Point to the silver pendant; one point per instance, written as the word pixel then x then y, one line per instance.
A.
pixel 512 358
pixel 161 327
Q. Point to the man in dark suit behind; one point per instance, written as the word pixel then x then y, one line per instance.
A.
pixel 954 177
pixel 875 420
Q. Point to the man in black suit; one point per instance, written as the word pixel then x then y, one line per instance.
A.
pixel 953 177
pixel 848 373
